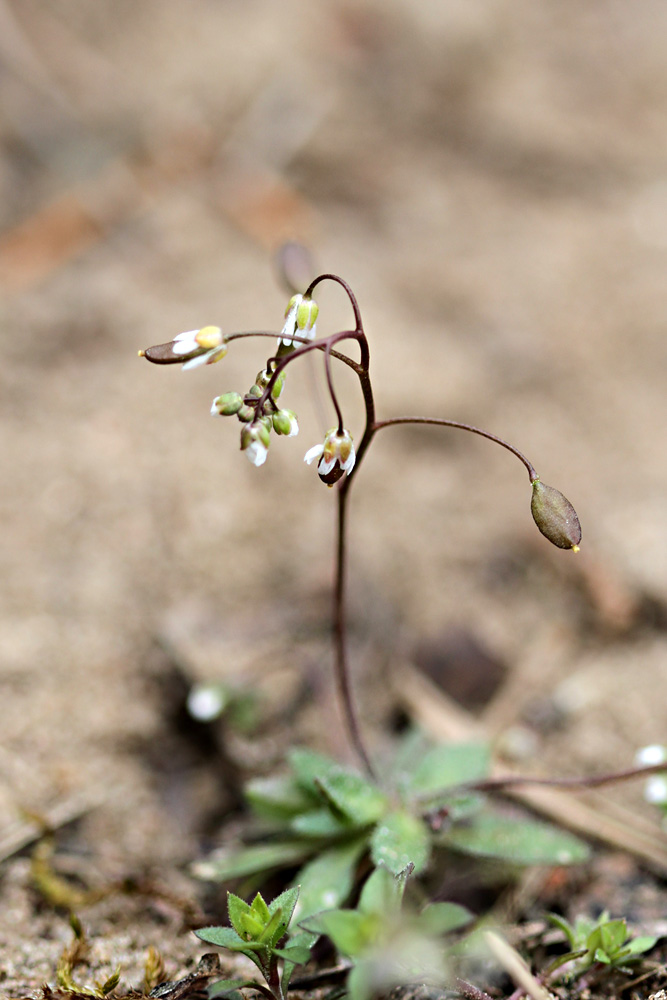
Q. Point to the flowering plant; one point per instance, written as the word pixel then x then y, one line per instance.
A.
pixel 338 460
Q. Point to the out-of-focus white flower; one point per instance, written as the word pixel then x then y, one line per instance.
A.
pixel 655 790
pixel 194 347
pixel 300 320
pixel 654 753
pixel 336 456
pixel 255 443
pixel 206 702
pixel 285 422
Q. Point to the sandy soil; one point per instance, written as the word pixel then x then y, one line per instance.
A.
pixel 491 179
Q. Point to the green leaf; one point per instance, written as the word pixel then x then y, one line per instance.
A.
pixel 285 902
pixel 353 797
pixel 251 927
pixel 613 935
pixel 273 930
pixel 308 766
pixel 327 880
pixel 278 798
pixel 602 956
pixel 320 823
pixel 297 954
pixel 228 987
pixel 352 932
pixel 241 861
pixel 400 839
pixel 223 937
pixel 305 940
pixel 443 918
pixel 260 909
pixel 381 894
pixel 641 944
pixel 236 907
pixel 565 926
pixel 450 764
pixel 523 841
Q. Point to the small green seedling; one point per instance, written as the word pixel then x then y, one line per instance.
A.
pixel 388 946
pixel 326 818
pixel 256 931
pixel 603 940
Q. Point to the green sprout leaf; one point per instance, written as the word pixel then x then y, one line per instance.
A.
pixel 236 909
pixel 285 903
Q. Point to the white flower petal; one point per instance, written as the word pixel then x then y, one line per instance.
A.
pixel 185 343
pixel 201 359
pixel 215 412
pixel 294 428
pixel 325 467
pixel 290 324
pixel 256 453
pixel 348 464
pixel 313 453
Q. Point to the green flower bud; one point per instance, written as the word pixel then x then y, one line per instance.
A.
pixel 262 378
pixel 227 404
pixel 246 414
pixel 278 386
pixel 285 422
pixel 307 312
pixel 555 516
pixel 255 391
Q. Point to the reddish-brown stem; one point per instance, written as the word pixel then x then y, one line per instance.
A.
pixel 441 422
pixel 596 781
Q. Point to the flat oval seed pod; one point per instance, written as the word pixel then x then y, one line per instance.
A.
pixel 555 516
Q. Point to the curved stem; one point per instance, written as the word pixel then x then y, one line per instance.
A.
pixel 463 427
pixel 350 294
pixel 597 781
pixel 330 385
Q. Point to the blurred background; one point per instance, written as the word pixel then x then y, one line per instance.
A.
pixel 491 178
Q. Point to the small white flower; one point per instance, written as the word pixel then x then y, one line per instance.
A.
pixel 255 443
pixel 652 754
pixel 336 456
pixel 300 320
pixel 200 347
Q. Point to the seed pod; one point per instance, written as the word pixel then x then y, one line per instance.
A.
pixel 555 516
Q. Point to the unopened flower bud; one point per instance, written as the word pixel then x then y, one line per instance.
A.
pixel 285 422
pixel 278 386
pixel 262 378
pixel 255 391
pixel 300 319
pixel 555 516
pixel 246 414
pixel 227 404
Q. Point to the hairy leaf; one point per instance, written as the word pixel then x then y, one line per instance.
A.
pixel 400 839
